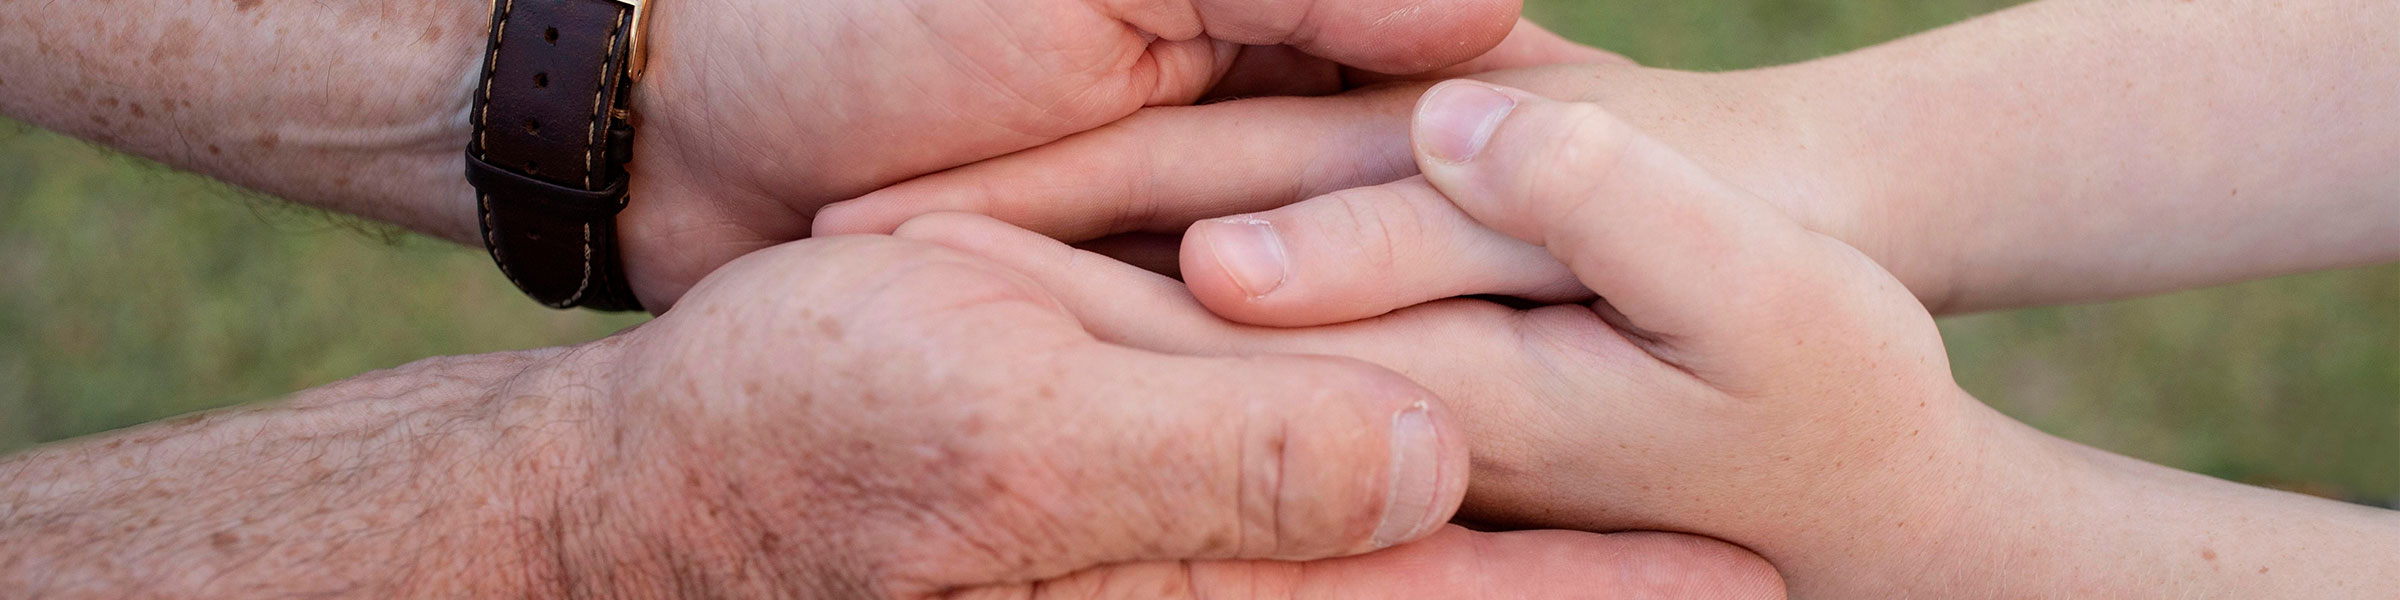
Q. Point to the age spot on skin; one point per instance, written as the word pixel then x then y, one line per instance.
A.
pixel 136 109
pixel 177 43
pixel 2208 554
pixel 268 140
pixel 214 150
pixel 247 5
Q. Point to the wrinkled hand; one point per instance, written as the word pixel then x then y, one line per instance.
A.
pixel 861 417
pixel 1744 377
pixel 756 113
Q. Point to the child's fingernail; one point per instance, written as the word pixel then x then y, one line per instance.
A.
pixel 1457 118
pixel 1251 252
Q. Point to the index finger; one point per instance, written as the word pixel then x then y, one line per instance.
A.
pixel 1163 168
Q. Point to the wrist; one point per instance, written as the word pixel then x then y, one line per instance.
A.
pixel 618 500
pixel 557 529
pixel 1789 135
pixel 2018 519
pixel 388 147
pixel 1832 164
pixel 429 479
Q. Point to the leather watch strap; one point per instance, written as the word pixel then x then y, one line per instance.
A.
pixel 550 144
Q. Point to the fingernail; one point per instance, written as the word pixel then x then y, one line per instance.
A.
pixel 1416 478
pixel 1458 118
pixel 1251 252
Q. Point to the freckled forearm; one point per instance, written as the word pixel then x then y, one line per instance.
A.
pixel 443 478
pixel 354 106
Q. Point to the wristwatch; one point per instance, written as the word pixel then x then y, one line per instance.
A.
pixel 552 137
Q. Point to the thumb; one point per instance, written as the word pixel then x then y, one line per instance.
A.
pixel 1286 458
pixel 1129 455
pixel 1693 264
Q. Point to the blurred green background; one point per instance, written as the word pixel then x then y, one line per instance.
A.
pixel 130 293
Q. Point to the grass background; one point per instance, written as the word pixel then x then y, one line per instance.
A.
pixel 130 293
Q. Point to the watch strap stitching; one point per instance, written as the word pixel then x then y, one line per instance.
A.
pixel 603 162
pixel 591 146
pixel 483 115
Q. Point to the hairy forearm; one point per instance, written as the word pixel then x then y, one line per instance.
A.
pixel 355 106
pixel 2075 150
pixel 443 478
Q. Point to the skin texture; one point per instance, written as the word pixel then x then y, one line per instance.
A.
pixel 2018 159
pixel 1744 375
pixel 1000 453
pixel 1750 362
pixel 907 422
pixel 752 114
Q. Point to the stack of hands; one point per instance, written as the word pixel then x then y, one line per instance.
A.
pixel 1191 299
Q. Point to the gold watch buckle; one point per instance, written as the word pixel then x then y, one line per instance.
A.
pixel 639 55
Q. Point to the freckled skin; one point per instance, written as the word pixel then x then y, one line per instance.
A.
pixel 740 100
pixel 681 460
pixel 229 74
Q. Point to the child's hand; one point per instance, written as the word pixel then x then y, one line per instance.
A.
pixel 1745 378
pixel 1333 176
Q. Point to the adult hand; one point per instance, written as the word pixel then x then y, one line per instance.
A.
pixel 894 419
pixel 759 112
pixel 1742 377
pixel 854 417
pixel 752 113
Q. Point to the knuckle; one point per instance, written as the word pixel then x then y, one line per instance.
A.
pixel 1382 222
pixel 1579 158
pixel 1313 460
